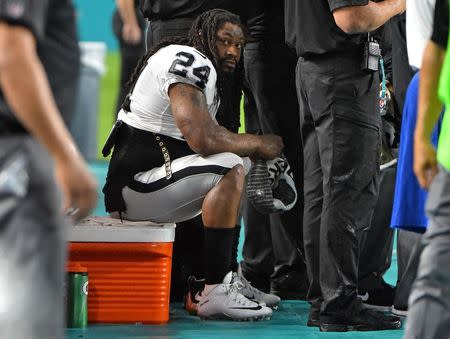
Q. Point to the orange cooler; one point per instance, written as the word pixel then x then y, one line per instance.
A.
pixel 129 267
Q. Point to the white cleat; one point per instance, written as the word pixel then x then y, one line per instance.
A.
pixel 252 293
pixel 225 301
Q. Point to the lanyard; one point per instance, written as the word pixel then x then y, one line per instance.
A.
pixel 383 94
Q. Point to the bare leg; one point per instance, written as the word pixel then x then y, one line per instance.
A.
pixel 221 204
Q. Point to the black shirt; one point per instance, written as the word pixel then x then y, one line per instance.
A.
pixel 440 23
pixel 52 23
pixel 264 18
pixel 311 29
pixel 171 9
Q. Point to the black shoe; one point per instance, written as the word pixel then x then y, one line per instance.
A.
pixel 314 317
pixel 292 285
pixel 363 320
pixel 380 299
pixel 401 311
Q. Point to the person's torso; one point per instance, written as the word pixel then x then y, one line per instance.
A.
pixel 150 107
pixel 265 19
pixel 419 24
pixel 57 46
pixel 312 30
pixel 171 9
pixel 443 149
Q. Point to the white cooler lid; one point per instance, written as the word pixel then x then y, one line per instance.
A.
pixel 106 229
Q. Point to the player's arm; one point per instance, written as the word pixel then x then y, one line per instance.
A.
pixel 429 109
pixel 429 106
pixel 27 91
pixel 205 136
pixel 366 17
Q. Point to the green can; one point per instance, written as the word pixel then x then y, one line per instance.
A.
pixel 77 295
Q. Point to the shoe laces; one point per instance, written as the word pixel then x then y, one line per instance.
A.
pixel 247 286
pixel 233 290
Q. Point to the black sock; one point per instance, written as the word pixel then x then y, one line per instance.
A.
pixel 234 249
pixel 217 252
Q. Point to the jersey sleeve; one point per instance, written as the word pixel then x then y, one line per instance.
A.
pixel 336 4
pixel 31 14
pixel 440 24
pixel 186 65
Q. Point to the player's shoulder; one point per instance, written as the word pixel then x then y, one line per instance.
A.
pixel 171 52
pixel 186 64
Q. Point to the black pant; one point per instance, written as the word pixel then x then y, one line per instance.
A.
pixel 409 249
pixel 340 126
pixel 377 242
pixel 129 55
pixel 160 29
pixel 273 243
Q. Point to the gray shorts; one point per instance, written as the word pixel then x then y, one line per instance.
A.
pixel 32 248
pixel 164 201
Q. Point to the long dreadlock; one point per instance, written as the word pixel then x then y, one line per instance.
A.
pixel 203 37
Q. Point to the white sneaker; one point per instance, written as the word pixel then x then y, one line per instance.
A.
pixel 252 293
pixel 226 302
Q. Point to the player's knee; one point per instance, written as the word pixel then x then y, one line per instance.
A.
pixel 236 177
pixel 231 159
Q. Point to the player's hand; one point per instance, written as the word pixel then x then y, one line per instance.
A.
pixel 78 187
pixel 270 146
pixel 425 164
pixel 131 33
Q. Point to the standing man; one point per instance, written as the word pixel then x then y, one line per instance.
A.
pixel 337 87
pixel 273 244
pixel 38 55
pixel 408 215
pixel 429 302
pixel 128 27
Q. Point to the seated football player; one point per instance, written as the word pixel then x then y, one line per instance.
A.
pixel 172 161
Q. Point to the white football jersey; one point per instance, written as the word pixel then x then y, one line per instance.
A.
pixel 150 102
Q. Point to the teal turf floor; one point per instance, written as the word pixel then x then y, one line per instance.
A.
pixel 289 321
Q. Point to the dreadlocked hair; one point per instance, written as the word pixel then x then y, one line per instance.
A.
pixel 203 37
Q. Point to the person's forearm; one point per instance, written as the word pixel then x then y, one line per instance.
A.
pixel 27 91
pixel 429 106
pixel 210 138
pixel 219 139
pixel 361 19
pixel 127 11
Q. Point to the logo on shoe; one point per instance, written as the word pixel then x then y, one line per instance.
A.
pixel 196 298
pixel 364 297
pixel 205 302
pixel 254 308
